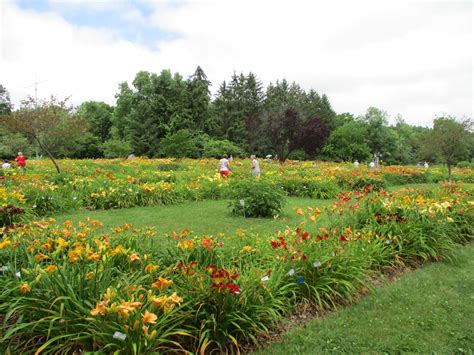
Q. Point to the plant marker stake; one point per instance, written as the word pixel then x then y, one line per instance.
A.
pixel 119 335
pixel 242 203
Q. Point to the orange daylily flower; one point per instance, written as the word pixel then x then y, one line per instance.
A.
pixel 151 267
pixel 162 283
pixel 299 211
pixel 25 288
pixel 100 308
pixel 41 257
pixel 126 307
pixel 246 249
pixel 175 298
pixel 134 257
pixel 93 256
pixel 46 246
pixel 149 317
pixel 159 301
pixel 50 268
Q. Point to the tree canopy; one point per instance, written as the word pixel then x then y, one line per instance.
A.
pixel 164 114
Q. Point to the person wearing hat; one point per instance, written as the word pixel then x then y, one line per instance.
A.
pixel 255 166
pixel 224 166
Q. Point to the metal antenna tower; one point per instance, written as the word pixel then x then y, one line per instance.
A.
pixel 36 87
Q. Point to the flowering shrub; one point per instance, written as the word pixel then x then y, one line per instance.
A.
pixel 256 198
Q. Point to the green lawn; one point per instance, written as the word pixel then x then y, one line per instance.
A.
pixel 203 217
pixel 430 311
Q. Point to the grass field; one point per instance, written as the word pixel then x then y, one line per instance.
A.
pixel 427 311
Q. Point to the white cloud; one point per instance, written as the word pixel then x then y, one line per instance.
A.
pixel 84 63
pixel 412 58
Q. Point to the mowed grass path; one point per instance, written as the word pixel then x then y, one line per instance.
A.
pixel 201 217
pixel 429 311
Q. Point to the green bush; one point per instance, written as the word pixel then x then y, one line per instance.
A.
pixel 465 164
pixel 256 198
pixel 180 144
pixel 324 189
pixel 115 148
pixel 170 167
pixel 215 148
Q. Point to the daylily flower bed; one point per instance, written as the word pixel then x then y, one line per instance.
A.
pixel 69 288
pixel 106 184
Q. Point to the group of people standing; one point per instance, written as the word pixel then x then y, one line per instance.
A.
pixel 224 166
pixel 20 161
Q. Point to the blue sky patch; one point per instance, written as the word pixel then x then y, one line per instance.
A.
pixel 114 18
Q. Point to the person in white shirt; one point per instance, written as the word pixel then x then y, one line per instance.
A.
pixel 6 165
pixel 356 163
pixel 224 167
pixel 255 167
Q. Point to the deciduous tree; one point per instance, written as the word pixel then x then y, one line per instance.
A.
pixel 451 140
pixel 52 124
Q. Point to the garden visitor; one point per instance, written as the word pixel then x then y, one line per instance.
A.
pixel 426 165
pixel 224 166
pixel 21 160
pixel 255 166
pixel 6 164
pixel 356 163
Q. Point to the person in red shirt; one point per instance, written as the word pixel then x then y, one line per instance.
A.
pixel 21 161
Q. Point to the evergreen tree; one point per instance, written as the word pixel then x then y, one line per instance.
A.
pixel 237 103
pixel 6 106
pixel 155 107
pixel 198 100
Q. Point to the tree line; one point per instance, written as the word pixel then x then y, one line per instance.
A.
pixel 165 115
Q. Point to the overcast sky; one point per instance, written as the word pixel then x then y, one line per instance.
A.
pixel 413 58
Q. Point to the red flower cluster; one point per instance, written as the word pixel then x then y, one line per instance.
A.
pixel 322 237
pixel 280 242
pixel 221 287
pixel 302 234
pixel 222 279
